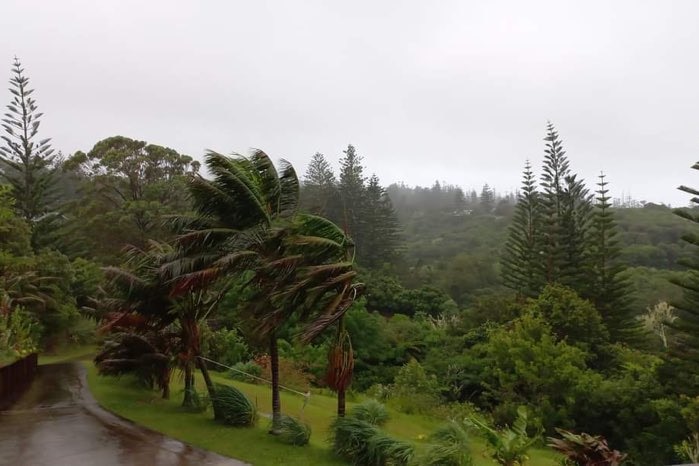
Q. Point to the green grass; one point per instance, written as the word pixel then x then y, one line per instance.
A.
pixel 255 445
pixel 68 353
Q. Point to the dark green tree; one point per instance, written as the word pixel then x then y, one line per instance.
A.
pixel 27 163
pixel 521 271
pixel 610 292
pixel 352 188
pixel 128 188
pixel 319 194
pixel 555 170
pixel 380 226
pixel 487 199
pixel 686 346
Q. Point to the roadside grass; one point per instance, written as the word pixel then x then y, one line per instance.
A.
pixel 255 445
pixel 68 353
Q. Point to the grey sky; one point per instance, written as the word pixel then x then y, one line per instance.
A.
pixel 451 90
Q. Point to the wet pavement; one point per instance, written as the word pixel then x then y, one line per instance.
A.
pixel 58 423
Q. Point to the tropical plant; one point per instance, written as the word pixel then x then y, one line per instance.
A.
pixel 656 320
pixel 247 221
pixel 293 431
pixel 585 450
pixel 234 407
pixel 508 446
pixel 144 354
pixel 688 449
pixel 449 446
pixel 371 411
pixel 366 445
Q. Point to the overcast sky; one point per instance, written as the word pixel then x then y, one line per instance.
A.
pixel 458 91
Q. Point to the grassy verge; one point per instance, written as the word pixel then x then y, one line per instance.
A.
pixel 254 445
pixel 68 353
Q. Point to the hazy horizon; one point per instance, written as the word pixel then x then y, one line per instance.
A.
pixel 451 91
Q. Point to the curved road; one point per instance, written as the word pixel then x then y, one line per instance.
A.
pixel 57 422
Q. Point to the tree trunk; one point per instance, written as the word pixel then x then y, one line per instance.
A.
pixel 188 401
pixel 165 382
pixel 341 403
pixel 209 387
pixel 274 366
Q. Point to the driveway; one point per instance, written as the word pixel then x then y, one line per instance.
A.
pixel 57 422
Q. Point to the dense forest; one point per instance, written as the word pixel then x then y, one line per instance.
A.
pixel 434 299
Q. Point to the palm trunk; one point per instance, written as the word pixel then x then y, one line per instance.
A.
pixel 274 366
pixel 341 403
pixel 165 382
pixel 188 401
pixel 209 387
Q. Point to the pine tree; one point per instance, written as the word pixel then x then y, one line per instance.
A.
pixel 686 346
pixel 26 162
pixel 555 169
pixel 487 199
pixel 353 194
pixel 521 256
pixel 380 226
pixel 574 226
pixel 320 195
pixel 610 292
pixel 459 200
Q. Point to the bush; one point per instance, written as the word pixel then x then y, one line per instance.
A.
pixel 293 431
pixel 234 408
pixel 366 445
pixel 239 371
pixel 371 411
pixel 226 347
pixel 448 447
pixel 585 450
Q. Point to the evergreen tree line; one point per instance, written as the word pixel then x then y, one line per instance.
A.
pixel 561 233
pixel 357 203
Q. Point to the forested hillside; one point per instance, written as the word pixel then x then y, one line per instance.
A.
pixel 440 301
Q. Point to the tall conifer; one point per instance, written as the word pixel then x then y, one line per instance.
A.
pixel 609 291
pixel 521 255
pixel 686 345
pixel 26 162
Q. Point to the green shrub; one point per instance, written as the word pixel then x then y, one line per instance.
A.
pixel 225 346
pixel 240 370
pixel 366 445
pixel 293 431
pixel 234 408
pixel 448 447
pixel 371 411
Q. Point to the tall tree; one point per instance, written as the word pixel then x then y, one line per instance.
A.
pixel 352 188
pixel 555 170
pixel 487 199
pixel 521 256
pixel 129 187
pixel 609 291
pixel 686 325
pixel 319 194
pixel 247 222
pixel 27 162
pixel 380 226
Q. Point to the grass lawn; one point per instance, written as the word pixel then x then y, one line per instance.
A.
pixel 68 353
pixel 254 445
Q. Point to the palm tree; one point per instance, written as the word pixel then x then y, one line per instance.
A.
pixel 247 222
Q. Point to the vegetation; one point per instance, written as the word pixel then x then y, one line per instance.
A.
pixel 293 431
pixel 235 408
pixel 556 307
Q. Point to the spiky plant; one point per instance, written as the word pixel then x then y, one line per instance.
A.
pixel 234 407
pixel 585 449
pixel 293 431
pixel 371 411
pixel 366 445
pixel 508 446
pixel 449 446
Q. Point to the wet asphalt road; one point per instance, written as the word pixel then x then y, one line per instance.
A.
pixel 58 423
